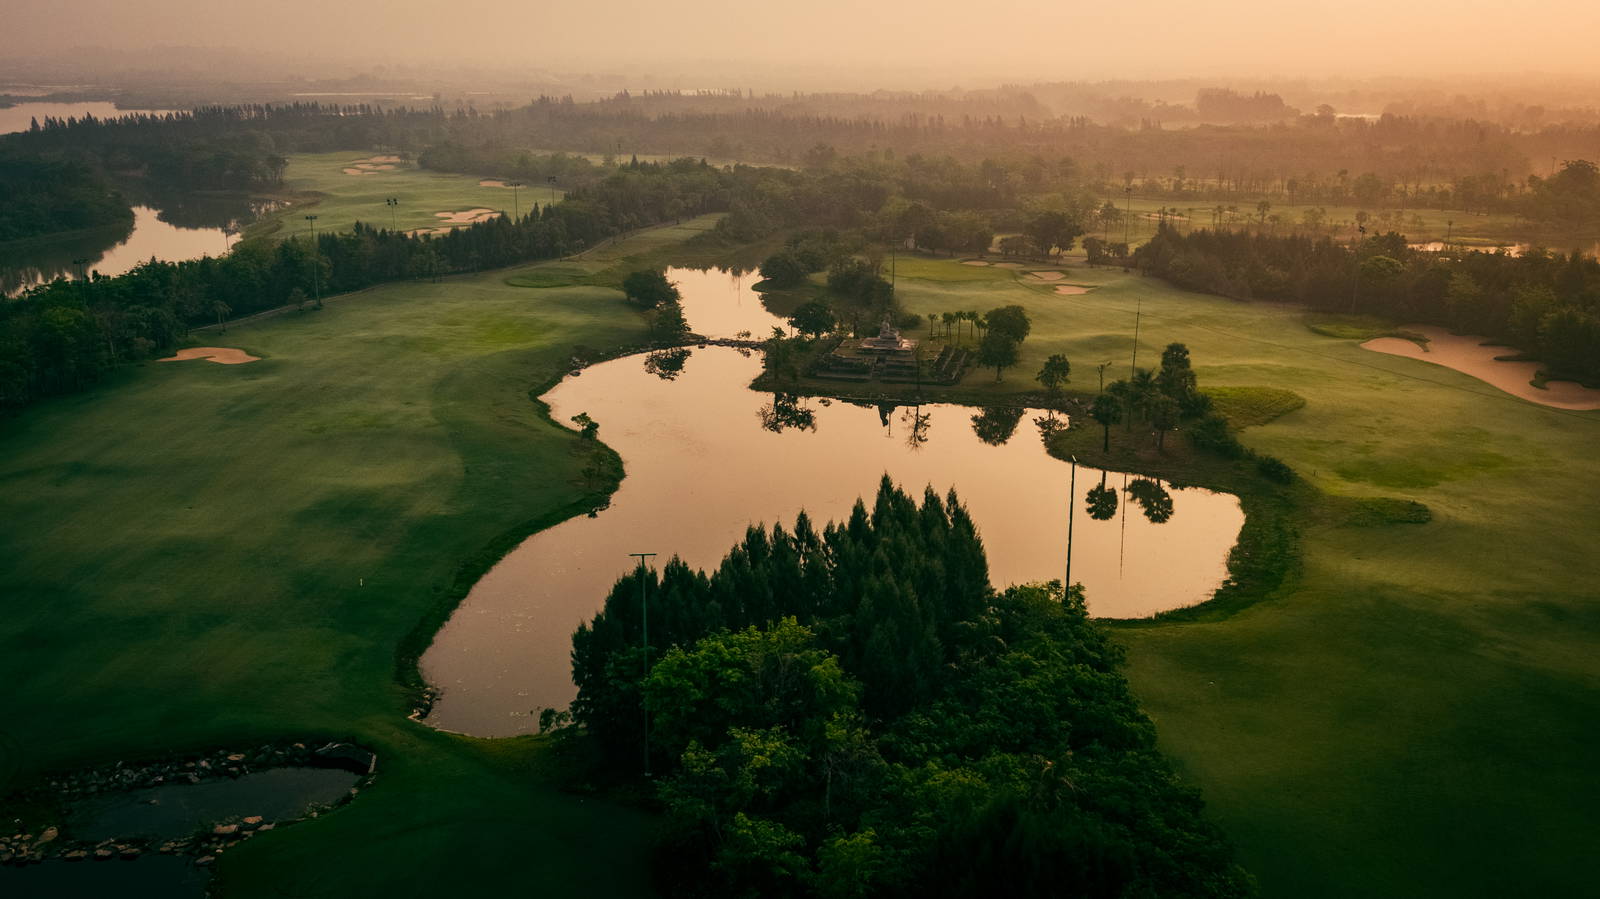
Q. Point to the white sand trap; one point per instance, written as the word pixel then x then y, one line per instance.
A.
pixel 1047 276
pixel 225 355
pixel 1467 355
pixel 493 182
pixel 1072 290
pixel 1008 265
pixel 974 262
pixel 358 172
pixel 468 216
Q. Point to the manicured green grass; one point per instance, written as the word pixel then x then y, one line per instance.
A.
pixel 318 185
pixel 1414 713
pixel 1360 327
pixel 1246 407
pixel 1466 229
pixel 941 270
pixel 203 555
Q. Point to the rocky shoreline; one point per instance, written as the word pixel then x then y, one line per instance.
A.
pixel 55 841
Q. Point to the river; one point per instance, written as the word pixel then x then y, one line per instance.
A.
pixel 706 457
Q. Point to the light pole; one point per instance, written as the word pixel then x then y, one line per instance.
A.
pixel 316 259
pixel 393 203
pixel 1127 215
pixel 516 207
pixel 82 266
pixel 644 617
pixel 1101 368
pixel 1072 506
pixel 552 181
pixel 1138 311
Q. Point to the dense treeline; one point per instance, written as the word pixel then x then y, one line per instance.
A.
pixel 65 335
pixel 1547 304
pixel 224 148
pixel 46 194
pixel 56 171
pixel 855 711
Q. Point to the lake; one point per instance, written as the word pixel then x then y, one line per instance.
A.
pixel 21 116
pixel 706 457
pixel 112 251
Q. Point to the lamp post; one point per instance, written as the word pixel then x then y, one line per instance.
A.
pixel 316 259
pixel 1072 507
pixel 1138 312
pixel 552 181
pixel 644 617
pixel 393 203
pixel 516 207
pixel 82 266
pixel 1127 214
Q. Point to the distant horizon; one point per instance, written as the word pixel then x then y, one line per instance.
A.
pixel 895 44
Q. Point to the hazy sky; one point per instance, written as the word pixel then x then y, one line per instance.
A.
pixel 962 42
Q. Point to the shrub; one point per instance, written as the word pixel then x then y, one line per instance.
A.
pixel 1274 469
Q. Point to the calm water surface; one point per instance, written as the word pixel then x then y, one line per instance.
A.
pixel 706 457
pixel 112 253
pixel 177 810
pixel 21 116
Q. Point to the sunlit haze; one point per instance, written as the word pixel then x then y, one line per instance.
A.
pixel 937 44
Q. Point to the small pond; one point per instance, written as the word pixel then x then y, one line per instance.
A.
pixel 178 810
pixel 706 457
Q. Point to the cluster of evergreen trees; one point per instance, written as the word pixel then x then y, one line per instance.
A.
pixel 855 711
pixel 45 195
pixel 1547 304
pixel 65 335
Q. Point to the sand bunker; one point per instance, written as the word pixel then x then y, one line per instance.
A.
pixel 1046 276
pixel 1072 290
pixel 1467 355
pixel 372 165
pixel 225 355
pixel 974 262
pixel 494 182
pixel 469 216
pixel 1008 265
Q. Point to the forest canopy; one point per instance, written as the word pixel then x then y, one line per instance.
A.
pixel 855 711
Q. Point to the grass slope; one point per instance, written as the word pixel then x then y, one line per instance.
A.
pixel 202 555
pixel 1415 712
pixel 317 184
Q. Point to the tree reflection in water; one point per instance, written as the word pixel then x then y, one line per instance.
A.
pixel 917 424
pixel 1048 425
pixel 994 425
pixel 1101 501
pixel 785 412
pixel 666 364
pixel 1152 498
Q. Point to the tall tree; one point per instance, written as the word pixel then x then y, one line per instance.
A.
pixel 1054 373
pixel 1106 411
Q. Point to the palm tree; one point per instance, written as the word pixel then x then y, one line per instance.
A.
pixel 1142 391
pixel 221 310
pixel 1107 411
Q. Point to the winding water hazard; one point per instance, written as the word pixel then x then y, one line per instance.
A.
pixel 706 457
